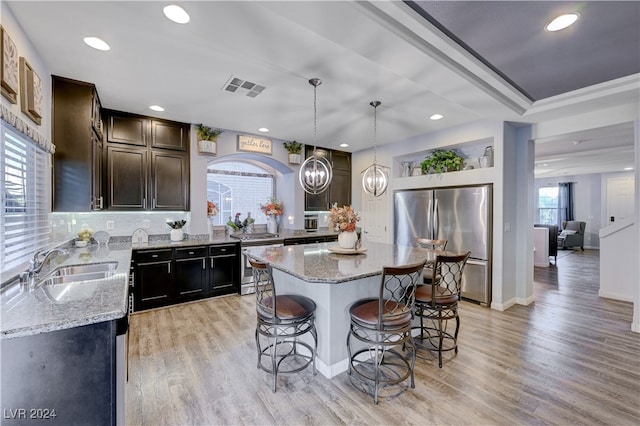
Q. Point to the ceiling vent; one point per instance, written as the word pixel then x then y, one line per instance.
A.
pixel 247 88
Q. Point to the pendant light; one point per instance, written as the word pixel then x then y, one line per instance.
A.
pixel 376 177
pixel 315 172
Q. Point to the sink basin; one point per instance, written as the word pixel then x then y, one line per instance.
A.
pixel 74 273
pixel 60 285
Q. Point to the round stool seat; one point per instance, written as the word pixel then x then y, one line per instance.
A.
pixel 289 307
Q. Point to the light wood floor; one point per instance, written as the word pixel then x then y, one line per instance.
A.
pixel 567 359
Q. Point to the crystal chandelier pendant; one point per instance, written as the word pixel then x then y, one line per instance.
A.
pixel 315 172
pixel 376 177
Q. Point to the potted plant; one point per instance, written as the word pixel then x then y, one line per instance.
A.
pixel 176 229
pixel 441 161
pixel 295 150
pixel 207 138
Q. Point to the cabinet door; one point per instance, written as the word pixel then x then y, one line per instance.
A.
pixel 340 188
pixel 126 128
pixel 127 178
pixel 317 202
pixel 169 135
pixel 341 160
pixel 169 181
pixel 152 285
pixel 191 278
pixel 223 274
pixel 96 119
pixel 97 175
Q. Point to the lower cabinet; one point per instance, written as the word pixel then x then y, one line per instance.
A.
pixel 167 276
pixel 310 239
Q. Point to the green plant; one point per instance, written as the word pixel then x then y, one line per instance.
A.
pixel 206 133
pixel 176 224
pixel 442 160
pixel 293 147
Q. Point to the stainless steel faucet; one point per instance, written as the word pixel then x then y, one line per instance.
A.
pixel 36 264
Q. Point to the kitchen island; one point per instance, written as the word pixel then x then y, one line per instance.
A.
pixel 334 281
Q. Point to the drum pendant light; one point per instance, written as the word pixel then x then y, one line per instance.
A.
pixel 315 172
pixel 376 177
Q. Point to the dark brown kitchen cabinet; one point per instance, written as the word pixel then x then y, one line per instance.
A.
pixel 153 280
pixel 77 162
pixel 168 276
pixel 191 272
pixel 127 178
pixel 164 182
pixel 339 190
pixel 224 269
pixel 125 128
pixel 169 181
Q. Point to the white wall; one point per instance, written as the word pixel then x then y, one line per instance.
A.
pixel 588 199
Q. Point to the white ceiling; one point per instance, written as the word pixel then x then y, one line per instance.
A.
pixel 362 51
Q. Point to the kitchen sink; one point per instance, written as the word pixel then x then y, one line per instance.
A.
pixel 76 282
pixel 75 273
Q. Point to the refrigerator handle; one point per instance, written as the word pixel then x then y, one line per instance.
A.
pixel 436 224
pixel 429 221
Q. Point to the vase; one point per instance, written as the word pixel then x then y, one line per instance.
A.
pixel 347 239
pixel 177 234
pixel 272 224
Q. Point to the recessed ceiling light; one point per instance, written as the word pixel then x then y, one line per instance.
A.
pixel 627 168
pixel 562 22
pixel 436 117
pixel 344 145
pixel 97 43
pixel 263 130
pixel 156 108
pixel 176 14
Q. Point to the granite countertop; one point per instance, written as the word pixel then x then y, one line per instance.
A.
pixel 25 312
pixel 316 263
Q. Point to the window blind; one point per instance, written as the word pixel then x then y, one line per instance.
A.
pixel 25 199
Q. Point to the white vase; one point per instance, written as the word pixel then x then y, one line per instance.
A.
pixel 177 234
pixel 347 239
pixel 272 224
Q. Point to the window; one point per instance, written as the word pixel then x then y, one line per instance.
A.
pixel 25 200
pixel 548 205
pixel 239 187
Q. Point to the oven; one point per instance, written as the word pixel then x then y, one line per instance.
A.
pixel 253 241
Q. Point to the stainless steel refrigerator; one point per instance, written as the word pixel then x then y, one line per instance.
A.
pixel 460 215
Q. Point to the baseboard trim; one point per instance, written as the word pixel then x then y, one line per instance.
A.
pixel 615 296
pixel 503 306
pixel 635 327
pixel 525 301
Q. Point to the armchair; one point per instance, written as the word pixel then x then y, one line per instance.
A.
pixel 572 234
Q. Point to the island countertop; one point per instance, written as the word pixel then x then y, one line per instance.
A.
pixel 317 263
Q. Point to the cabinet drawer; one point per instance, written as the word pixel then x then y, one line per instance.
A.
pixel 144 256
pixel 222 250
pixel 191 252
pixel 312 240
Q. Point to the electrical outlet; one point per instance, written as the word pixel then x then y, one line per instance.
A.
pixel 110 224
pixel 146 224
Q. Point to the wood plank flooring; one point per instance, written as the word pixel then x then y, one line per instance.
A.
pixel 569 358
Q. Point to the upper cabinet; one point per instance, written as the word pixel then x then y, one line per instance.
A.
pixel 147 162
pixel 339 190
pixel 77 135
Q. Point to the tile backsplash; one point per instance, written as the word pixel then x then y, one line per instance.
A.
pixel 118 224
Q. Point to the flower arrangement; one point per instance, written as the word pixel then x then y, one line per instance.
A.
pixel 177 224
pixel 85 234
pixel 343 218
pixel 293 147
pixel 273 208
pixel 212 210
pixel 206 133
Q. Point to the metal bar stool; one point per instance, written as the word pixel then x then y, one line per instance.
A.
pixel 282 319
pixel 379 325
pixel 437 302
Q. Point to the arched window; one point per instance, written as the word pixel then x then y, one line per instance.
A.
pixel 238 187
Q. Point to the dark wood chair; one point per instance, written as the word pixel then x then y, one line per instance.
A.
pixel 437 303
pixel 380 325
pixel 282 319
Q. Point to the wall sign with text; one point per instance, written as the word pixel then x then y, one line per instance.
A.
pixel 254 144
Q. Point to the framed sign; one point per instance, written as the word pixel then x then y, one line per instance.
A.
pixel 255 144
pixel 8 67
pixel 30 92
